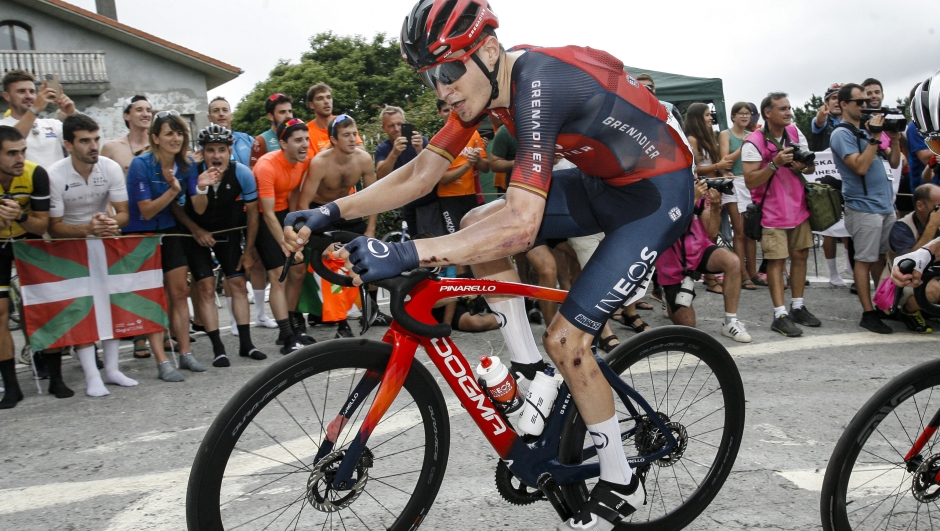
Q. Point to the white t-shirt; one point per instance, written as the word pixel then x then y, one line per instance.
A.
pixel 75 200
pixel 750 153
pixel 44 141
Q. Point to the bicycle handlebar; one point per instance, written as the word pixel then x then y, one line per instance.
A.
pixel 906 266
pixel 398 287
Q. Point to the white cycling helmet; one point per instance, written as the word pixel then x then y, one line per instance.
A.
pixel 925 111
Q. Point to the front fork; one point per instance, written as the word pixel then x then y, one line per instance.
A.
pixel 910 458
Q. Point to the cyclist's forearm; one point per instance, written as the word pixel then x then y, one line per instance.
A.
pixel 411 181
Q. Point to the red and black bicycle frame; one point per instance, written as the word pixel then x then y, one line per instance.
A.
pixel 527 461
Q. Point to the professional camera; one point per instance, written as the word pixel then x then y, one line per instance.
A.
pixel 895 122
pixel 725 186
pixel 806 158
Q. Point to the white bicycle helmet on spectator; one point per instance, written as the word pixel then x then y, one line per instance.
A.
pixel 925 110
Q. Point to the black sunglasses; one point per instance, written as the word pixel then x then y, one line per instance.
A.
pixel 861 102
pixel 449 72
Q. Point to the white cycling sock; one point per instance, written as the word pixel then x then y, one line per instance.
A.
pixel 779 311
pixel 610 453
pixel 93 384
pixel 259 304
pixel 796 304
pixel 112 374
pixel 514 325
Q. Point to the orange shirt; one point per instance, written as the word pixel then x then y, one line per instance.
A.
pixel 320 139
pixel 466 183
pixel 277 177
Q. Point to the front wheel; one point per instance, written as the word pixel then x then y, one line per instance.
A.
pixel 257 467
pixel 868 484
pixel 691 381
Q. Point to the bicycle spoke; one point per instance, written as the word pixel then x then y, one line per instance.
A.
pixel 299 469
pixel 278 400
pixel 302 496
pixel 255 490
pixel 255 423
pixel 315 412
pixel 389 485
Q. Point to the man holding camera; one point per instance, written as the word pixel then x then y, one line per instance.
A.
pixel 693 255
pixel 43 135
pixel 771 158
pixel 909 234
pixel 827 118
pixel 869 196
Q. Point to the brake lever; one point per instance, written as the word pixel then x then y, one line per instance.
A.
pixel 289 261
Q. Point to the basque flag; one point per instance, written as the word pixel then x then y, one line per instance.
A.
pixel 81 291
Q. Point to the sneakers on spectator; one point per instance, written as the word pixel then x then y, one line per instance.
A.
pixel 382 319
pixel 736 331
pixel 785 326
pixel 291 347
pixel 535 316
pixel 914 322
pixel 871 322
pixel 343 331
pixel 265 322
pixel 804 317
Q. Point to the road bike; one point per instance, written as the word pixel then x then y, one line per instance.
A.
pixel 884 472
pixel 355 433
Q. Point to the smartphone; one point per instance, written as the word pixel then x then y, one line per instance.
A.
pixel 52 81
pixel 407 130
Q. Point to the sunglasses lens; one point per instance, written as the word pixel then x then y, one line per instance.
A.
pixel 428 79
pixel 934 145
pixel 449 72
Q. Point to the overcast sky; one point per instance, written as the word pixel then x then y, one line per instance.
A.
pixel 754 46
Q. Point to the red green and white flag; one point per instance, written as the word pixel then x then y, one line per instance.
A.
pixel 80 291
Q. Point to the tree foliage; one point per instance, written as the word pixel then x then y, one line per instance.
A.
pixel 803 117
pixel 364 75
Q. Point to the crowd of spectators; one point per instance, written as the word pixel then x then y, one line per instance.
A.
pixel 223 202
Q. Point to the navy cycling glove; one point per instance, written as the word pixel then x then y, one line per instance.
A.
pixel 374 259
pixel 315 218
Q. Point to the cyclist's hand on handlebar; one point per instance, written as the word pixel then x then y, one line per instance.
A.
pixel 314 219
pixel 374 259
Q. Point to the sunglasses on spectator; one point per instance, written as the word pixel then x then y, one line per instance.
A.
pixel 449 72
pixel 275 96
pixel 164 114
pixel 338 119
pixel 861 102
pixel 287 125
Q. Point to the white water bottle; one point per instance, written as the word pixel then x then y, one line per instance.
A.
pixel 500 384
pixel 538 402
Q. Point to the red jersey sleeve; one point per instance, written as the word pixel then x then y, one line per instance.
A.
pixel 454 136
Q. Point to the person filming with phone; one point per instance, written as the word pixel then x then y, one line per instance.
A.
pixel 403 145
pixel 43 135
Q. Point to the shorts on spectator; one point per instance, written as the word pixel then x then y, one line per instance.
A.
pixel 870 233
pixel 227 249
pixel 272 257
pixel 742 194
pixel 776 244
pixel 172 248
pixel 454 208
pixel 672 290
pixel 6 266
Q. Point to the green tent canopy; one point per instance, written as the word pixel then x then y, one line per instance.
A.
pixel 683 91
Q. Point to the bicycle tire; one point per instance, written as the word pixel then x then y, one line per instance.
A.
pixel 666 354
pixel 878 433
pixel 239 476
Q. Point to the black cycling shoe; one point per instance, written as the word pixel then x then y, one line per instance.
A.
pixel 382 319
pixel 607 507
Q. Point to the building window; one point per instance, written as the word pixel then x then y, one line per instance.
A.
pixel 15 36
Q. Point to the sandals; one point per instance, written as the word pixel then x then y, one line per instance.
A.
pixel 712 285
pixel 605 345
pixel 643 305
pixel 623 319
pixel 141 351
pixel 748 284
pixel 758 281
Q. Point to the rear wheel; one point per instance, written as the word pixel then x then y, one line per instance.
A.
pixel 256 466
pixel 868 485
pixel 691 381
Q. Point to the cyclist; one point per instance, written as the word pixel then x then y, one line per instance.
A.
pixel 232 202
pixel 633 182
pixel 925 111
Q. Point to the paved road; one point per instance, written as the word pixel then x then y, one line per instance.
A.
pixel 122 462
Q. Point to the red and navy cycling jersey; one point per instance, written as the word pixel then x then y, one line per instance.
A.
pixel 580 103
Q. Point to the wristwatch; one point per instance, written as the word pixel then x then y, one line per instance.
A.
pixel 874 141
pixel 773 166
pixel 23 217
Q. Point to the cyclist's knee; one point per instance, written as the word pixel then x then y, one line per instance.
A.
pixel 481 212
pixel 567 346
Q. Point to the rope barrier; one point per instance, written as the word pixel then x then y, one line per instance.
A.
pixel 136 235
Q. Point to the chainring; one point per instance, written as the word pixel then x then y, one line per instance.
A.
pixel 519 494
